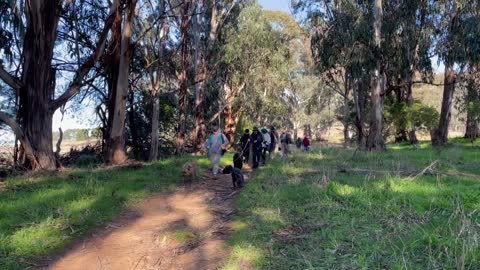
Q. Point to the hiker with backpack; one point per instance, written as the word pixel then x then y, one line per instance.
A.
pixel 215 145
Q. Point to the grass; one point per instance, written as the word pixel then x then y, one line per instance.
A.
pixel 41 215
pixel 289 220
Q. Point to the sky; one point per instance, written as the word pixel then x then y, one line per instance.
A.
pixel 282 5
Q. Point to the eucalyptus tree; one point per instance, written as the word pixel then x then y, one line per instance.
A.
pixel 254 60
pixel 341 38
pixel 31 67
pixel 208 20
pixel 457 38
pixel 409 36
pixel 116 142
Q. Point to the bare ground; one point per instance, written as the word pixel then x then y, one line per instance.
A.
pixel 186 229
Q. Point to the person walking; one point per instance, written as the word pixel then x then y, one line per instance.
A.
pixel 285 140
pixel 245 142
pixel 306 143
pixel 273 141
pixel 265 145
pixel 256 140
pixel 215 144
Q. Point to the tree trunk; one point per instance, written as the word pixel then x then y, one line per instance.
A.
pixel 472 127
pixel 412 136
pixel 441 133
pixel 346 113
pixel 359 98
pixel 38 79
pixel 116 148
pixel 231 120
pixel 154 134
pixel 182 79
pixel 375 139
pixel 200 67
pixel 231 123
pixel 111 64
pixel 473 120
pixel 134 137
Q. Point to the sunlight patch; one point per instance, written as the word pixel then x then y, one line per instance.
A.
pixel 268 214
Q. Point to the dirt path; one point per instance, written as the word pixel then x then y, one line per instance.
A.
pixel 186 229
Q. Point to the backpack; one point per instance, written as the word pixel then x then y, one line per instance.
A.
pixel 221 138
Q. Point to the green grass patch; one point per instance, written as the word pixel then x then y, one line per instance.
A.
pixel 290 220
pixel 41 215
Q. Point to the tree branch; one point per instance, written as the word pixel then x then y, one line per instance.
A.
pixel 17 130
pixel 9 79
pixel 83 70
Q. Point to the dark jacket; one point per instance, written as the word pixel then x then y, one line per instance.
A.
pixel 245 140
pixel 256 141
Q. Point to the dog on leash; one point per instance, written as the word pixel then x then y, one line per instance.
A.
pixel 237 178
pixel 190 172
pixel 237 175
pixel 237 161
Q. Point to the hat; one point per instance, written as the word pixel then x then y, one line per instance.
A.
pixel 264 130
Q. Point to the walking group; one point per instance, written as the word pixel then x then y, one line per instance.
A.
pixel 260 145
pixel 263 144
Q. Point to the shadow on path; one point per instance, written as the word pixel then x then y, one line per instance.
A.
pixel 185 229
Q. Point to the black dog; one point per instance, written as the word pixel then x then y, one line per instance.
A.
pixel 237 161
pixel 237 178
pixel 228 169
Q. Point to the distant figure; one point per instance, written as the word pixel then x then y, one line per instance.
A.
pixel 285 140
pixel 215 144
pixel 265 145
pixel 273 141
pixel 256 140
pixel 306 143
pixel 245 142
pixel 299 143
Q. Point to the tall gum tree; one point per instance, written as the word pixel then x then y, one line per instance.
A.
pixel 36 85
pixel 116 153
pixel 375 139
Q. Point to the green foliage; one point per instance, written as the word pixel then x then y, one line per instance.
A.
pixel 289 220
pixel 400 116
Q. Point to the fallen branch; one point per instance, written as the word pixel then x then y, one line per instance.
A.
pixel 428 168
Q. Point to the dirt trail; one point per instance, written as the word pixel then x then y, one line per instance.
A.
pixel 185 229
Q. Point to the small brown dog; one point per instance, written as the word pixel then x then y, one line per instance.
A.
pixel 190 172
